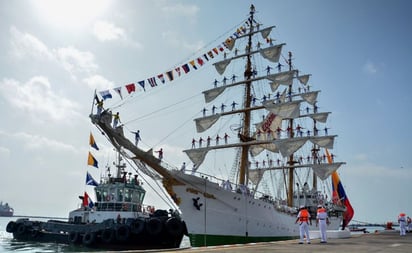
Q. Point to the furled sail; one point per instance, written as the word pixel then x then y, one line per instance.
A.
pixel 285 78
pixel 310 97
pixel 210 95
pixel 256 175
pixel 265 32
pixel 197 156
pixel 272 53
pixel 304 79
pixel 289 146
pixel 221 66
pixel 323 141
pixel 324 170
pixel 202 124
pixel 321 117
pixel 285 110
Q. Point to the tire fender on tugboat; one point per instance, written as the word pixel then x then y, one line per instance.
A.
pixel 21 229
pixel 88 238
pixel 107 235
pixel 154 226
pixel 174 226
pixel 74 237
pixel 122 233
pixel 11 227
pixel 137 226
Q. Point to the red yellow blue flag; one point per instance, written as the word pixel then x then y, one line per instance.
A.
pixel 339 195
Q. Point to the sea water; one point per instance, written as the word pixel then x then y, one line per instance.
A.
pixel 8 244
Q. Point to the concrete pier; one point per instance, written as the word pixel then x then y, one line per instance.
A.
pixel 384 241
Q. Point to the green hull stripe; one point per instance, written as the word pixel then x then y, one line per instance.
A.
pixel 199 240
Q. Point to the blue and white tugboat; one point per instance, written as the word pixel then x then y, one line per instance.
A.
pixel 118 220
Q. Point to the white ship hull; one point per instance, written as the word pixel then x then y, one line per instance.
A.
pixel 226 217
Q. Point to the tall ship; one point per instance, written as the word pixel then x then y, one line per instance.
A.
pixel 280 147
pixel 118 218
pixel 6 210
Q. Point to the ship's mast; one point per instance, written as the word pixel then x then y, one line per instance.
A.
pixel 291 161
pixel 244 161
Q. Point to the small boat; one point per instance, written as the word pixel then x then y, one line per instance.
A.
pixel 117 220
pixel 6 210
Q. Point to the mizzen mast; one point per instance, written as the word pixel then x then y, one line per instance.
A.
pixel 291 161
pixel 244 161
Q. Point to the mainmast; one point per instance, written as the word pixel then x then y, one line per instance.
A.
pixel 244 161
pixel 291 161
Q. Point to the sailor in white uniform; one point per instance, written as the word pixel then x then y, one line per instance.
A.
pixel 322 220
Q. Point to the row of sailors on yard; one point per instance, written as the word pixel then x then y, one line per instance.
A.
pixel 254 99
pixel 301 160
pixel 208 140
pixel 260 135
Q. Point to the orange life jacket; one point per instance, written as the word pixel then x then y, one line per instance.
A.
pixel 304 215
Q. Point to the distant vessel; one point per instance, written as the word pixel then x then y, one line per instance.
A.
pixel 118 220
pixel 279 147
pixel 6 210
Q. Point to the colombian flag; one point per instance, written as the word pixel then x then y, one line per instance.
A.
pixel 92 142
pixel 339 195
pixel 92 161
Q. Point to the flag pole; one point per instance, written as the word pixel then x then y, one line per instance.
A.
pixel 94 97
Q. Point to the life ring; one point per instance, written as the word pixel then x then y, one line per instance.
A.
pixel 11 227
pixel 21 229
pixel 88 238
pixel 122 233
pixel 174 226
pixel 124 207
pixel 74 237
pixel 107 235
pixel 320 202
pixel 154 226
pixel 137 226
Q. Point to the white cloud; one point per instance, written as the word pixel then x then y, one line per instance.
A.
pixel 98 82
pixel 23 44
pixel 69 58
pixel 41 142
pixel 175 40
pixel 180 10
pixel 76 61
pixel 105 31
pixel 36 97
pixel 370 68
pixel 4 152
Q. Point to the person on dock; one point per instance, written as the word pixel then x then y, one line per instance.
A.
pixel 409 224
pixel 322 220
pixel 304 220
pixel 402 224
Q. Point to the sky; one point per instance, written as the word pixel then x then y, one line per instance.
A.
pixel 55 54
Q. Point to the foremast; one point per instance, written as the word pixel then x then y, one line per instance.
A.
pixel 244 159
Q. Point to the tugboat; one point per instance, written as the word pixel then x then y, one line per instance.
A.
pixel 6 210
pixel 118 220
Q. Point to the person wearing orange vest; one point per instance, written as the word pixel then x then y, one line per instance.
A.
pixel 304 220
pixel 402 224
pixel 323 220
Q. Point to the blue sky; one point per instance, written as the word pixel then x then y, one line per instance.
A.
pixel 55 55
